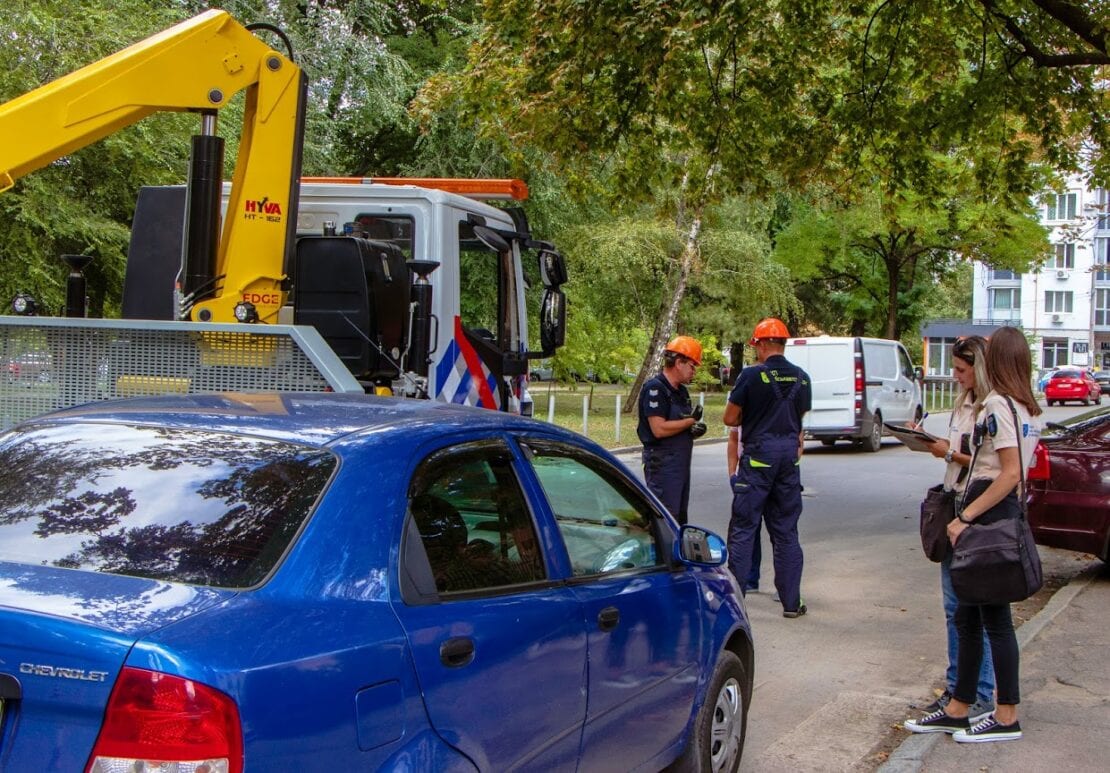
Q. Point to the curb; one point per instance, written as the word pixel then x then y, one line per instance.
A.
pixel 910 755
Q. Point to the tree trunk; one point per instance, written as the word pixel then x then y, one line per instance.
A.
pixel 666 321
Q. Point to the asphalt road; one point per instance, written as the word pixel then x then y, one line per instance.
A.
pixel 829 686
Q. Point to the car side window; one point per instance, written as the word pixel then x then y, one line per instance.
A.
pixel 606 526
pixel 906 363
pixel 468 512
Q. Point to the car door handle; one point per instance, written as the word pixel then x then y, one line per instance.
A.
pixel 457 652
pixel 608 618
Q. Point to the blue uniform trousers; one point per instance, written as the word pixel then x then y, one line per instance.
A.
pixel 768 488
pixel 667 475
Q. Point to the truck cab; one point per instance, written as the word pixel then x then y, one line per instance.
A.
pixel 479 337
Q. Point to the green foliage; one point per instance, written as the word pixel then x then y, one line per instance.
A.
pixel 867 267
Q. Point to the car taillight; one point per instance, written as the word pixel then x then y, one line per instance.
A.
pixel 158 721
pixel 1040 469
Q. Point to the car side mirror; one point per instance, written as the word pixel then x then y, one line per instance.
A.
pixel 919 374
pixel 700 547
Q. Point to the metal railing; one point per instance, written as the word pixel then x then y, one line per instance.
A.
pixel 50 363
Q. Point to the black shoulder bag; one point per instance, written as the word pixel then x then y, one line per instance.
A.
pixel 996 561
pixel 938 508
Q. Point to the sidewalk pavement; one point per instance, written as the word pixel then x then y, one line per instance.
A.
pixel 1065 694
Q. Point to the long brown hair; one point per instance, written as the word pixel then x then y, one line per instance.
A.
pixel 1010 367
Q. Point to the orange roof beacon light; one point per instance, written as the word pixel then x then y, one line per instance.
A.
pixel 486 189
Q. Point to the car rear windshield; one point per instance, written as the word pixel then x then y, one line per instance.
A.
pixel 187 506
pixel 1066 374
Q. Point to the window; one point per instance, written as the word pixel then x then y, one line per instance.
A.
pixel 880 361
pixel 1004 303
pixel 1102 259
pixel 395 229
pixel 1057 302
pixel 470 517
pixel 605 524
pixel 940 356
pixel 1102 306
pixel 1054 354
pixel 1060 206
pixel 1064 256
pixel 178 505
pixel 905 363
pixel 1003 274
pixel 488 282
pixel 1102 208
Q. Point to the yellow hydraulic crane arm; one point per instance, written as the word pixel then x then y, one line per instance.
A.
pixel 194 66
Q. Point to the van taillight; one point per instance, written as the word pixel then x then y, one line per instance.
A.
pixel 1041 469
pixel 859 387
pixel 160 721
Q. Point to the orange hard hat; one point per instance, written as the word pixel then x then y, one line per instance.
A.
pixel 769 328
pixel 686 346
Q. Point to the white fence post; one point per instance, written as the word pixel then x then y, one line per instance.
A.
pixel 617 423
pixel 586 415
pixel 550 407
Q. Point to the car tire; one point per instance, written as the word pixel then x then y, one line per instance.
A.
pixel 716 741
pixel 874 441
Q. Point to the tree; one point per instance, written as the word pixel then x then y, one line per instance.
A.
pixel 867 266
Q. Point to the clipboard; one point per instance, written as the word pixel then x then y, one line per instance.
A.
pixel 914 439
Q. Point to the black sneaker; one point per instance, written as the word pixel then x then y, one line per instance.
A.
pixel 939 703
pixel 988 730
pixel 792 613
pixel 937 722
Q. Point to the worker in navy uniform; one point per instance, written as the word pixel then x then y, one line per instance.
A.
pixel 669 424
pixel 767 403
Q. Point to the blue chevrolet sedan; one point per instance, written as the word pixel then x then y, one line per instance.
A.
pixel 228 583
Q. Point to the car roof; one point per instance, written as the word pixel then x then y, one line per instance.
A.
pixel 310 418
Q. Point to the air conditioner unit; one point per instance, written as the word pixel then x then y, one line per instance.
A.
pixel 1056 318
pixel 1061 273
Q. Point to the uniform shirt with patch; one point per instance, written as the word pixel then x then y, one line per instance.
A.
pixel 659 398
pixel 996 423
pixel 762 414
pixel 963 422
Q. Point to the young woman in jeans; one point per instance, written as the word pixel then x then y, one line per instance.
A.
pixel 969 368
pixel 1005 450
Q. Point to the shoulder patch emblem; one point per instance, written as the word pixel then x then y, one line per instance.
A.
pixel 992 425
pixel 653 392
pixel 763 376
pixel 653 404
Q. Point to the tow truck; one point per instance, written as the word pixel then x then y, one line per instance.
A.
pixel 271 282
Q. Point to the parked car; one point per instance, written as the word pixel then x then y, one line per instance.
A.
pixel 1072 384
pixel 339 582
pixel 1103 379
pixel 1069 485
pixel 29 368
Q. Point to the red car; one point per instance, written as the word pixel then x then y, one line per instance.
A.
pixel 1072 385
pixel 1069 485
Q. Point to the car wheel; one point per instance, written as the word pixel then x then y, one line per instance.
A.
pixel 874 441
pixel 917 414
pixel 716 741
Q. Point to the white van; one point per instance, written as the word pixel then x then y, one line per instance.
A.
pixel 858 383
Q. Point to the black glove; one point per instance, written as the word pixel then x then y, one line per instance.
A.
pixel 698 428
pixel 696 413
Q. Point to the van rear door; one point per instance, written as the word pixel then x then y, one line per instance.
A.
pixel 830 366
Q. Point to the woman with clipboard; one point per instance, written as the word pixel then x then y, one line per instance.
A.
pixel 969 368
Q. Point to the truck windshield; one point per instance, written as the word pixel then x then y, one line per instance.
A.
pixel 178 505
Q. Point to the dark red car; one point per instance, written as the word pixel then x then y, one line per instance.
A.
pixel 1069 485
pixel 1072 385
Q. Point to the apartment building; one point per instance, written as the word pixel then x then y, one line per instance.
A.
pixel 1064 306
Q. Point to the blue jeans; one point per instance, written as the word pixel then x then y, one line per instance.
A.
pixel 985 690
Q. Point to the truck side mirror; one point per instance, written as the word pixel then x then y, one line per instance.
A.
pixel 919 374
pixel 553 321
pixel 553 268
